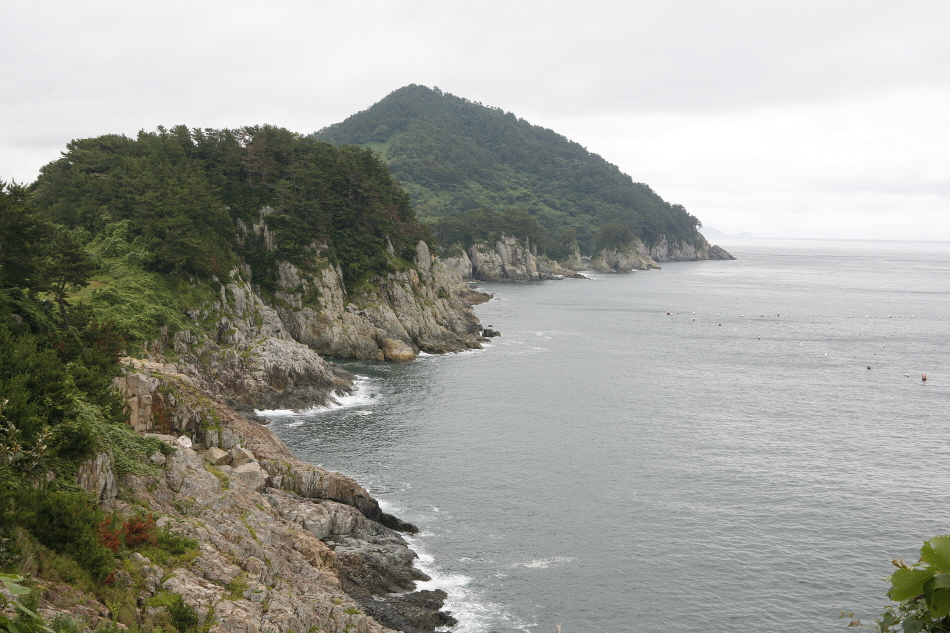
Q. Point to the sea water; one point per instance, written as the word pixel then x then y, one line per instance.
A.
pixel 699 448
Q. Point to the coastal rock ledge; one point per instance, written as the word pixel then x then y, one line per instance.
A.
pixel 283 545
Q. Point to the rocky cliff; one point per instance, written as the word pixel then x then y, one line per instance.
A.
pixel 281 545
pixel 664 251
pixel 507 259
pixel 263 350
pixel 639 256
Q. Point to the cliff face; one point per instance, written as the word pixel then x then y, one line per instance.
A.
pixel 265 353
pixel 621 259
pixel 505 260
pixel 419 309
pixel 639 256
pixel 664 251
pixel 283 545
pixel 510 260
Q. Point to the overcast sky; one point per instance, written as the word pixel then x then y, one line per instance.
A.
pixel 788 119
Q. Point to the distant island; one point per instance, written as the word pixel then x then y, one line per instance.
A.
pixel 709 231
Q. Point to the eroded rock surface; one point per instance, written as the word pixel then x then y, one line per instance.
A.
pixel 284 545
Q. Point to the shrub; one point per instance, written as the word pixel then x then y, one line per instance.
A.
pixel 67 522
pixel 140 530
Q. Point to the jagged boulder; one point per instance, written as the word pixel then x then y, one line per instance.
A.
pixel 251 475
pixel 217 457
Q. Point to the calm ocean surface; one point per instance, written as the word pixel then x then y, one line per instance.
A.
pixel 732 467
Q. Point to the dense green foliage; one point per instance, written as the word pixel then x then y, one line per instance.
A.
pixel 177 195
pixel 57 405
pixel 102 256
pixel 455 157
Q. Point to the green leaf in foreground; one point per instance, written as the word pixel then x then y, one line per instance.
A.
pixel 908 583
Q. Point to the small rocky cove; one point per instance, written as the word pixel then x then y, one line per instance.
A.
pixel 283 545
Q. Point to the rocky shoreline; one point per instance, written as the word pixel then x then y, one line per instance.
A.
pixel 284 545
pixel 509 259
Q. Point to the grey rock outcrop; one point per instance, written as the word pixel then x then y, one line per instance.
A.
pixel 621 260
pixel 505 259
pixel 639 256
pixel 664 251
pixel 268 353
pixel 421 308
pixel 283 545
pixel 96 475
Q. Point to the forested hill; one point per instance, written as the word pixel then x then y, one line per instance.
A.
pixel 178 194
pixel 459 160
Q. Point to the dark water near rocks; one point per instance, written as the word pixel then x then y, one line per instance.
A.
pixel 607 467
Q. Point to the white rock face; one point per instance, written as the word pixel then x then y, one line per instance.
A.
pixel 506 259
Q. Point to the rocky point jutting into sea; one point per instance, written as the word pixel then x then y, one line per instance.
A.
pixel 284 545
pixel 514 260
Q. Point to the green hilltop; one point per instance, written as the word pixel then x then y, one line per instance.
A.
pixel 470 169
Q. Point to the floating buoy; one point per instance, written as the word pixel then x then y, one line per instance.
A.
pixel 923 377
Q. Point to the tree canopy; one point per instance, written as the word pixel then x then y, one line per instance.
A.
pixel 183 192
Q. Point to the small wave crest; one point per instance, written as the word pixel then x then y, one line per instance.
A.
pixel 466 603
pixel 363 393
pixel 544 563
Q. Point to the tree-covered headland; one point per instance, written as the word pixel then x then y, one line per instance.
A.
pixel 105 256
pixel 472 170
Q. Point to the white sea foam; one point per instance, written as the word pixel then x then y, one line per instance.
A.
pixel 363 393
pixel 544 563
pixel 474 613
